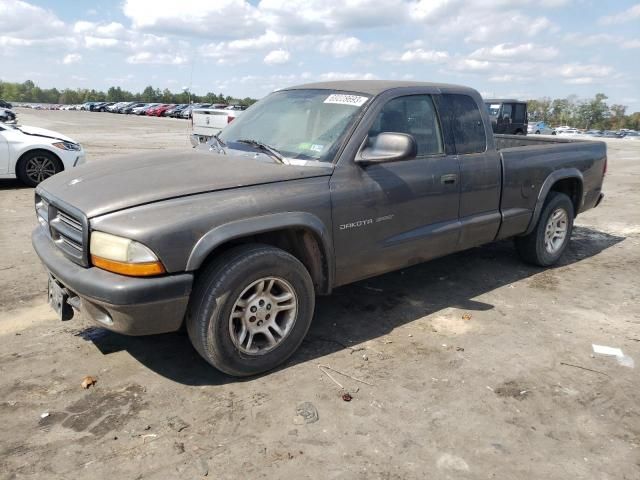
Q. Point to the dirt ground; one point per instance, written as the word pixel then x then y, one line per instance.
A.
pixel 473 366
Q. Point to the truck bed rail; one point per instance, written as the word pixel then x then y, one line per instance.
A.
pixel 509 141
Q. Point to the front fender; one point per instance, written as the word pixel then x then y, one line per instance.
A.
pixel 261 224
pixel 553 177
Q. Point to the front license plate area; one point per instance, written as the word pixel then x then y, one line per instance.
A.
pixel 58 300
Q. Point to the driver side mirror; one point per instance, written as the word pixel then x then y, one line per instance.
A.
pixel 388 147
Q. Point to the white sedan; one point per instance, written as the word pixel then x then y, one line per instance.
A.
pixel 34 154
pixel 540 128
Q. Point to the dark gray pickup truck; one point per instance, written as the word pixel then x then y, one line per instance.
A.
pixel 313 187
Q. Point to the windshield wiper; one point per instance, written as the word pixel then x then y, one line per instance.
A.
pixel 264 147
pixel 219 140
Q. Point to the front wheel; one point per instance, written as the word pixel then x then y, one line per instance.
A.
pixel 546 243
pixel 36 166
pixel 250 309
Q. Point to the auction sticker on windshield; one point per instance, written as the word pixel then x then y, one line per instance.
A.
pixel 342 99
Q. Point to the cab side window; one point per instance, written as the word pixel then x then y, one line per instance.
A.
pixel 507 112
pixel 518 114
pixel 465 122
pixel 414 115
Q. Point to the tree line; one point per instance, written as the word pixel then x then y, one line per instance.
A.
pixel 29 92
pixel 591 113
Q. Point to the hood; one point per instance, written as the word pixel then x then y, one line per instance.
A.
pixel 118 183
pixel 43 132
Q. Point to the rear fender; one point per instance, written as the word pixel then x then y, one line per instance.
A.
pixel 554 177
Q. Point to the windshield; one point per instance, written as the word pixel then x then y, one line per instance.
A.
pixel 299 124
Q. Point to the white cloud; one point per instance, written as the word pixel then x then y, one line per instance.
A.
pixel 157 58
pixel 421 55
pixel 97 42
pixel 113 29
pixel 268 39
pixel 331 76
pixel 277 57
pixel 326 16
pixel 579 81
pixel 71 58
pixel 24 20
pixel 511 52
pixel 631 44
pixel 471 65
pixel 578 70
pixel 588 40
pixel 507 78
pixel 628 15
pixel 213 19
pixel 342 47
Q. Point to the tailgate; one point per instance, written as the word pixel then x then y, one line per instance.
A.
pixel 209 122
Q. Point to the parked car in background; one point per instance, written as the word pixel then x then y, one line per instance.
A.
pixel 7 115
pixel 4 104
pixel 314 187
pixel 172 112
pixel 612 134
pixel 34 154
pixel 129 107
pixel 207 122
pixel 186 113
pixel 540 128
pixel 116 107
pixel 102 107
pixel 158 110
pixel 568 131
pixel 144 109
pixel 507 116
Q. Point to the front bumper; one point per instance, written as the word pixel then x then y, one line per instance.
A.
pixel 196 139
pixel 129 305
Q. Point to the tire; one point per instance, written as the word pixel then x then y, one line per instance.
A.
pixel 537 132
pixel 36 166
pixel 230 280
pixel 535 248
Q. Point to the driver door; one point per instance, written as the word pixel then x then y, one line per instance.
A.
pixel 390 215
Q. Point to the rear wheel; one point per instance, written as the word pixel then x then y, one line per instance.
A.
pixel 36 166
pixel 546 244
pixel 250 309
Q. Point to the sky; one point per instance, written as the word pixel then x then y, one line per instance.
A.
pixel 525 49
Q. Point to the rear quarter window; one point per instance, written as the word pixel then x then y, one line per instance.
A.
pixel 465 121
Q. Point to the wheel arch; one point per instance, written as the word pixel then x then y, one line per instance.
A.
pixel 299 233
pixel 568 181
pixel 33 150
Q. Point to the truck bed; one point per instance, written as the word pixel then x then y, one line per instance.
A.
pixel 527 162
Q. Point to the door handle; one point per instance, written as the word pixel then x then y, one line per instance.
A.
pixel 449 179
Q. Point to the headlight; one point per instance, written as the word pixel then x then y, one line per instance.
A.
pixel 68 146
pixel 123 256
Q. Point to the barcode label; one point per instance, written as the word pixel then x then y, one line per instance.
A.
pixel 355 100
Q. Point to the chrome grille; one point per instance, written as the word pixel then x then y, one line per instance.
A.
pixel 67 230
